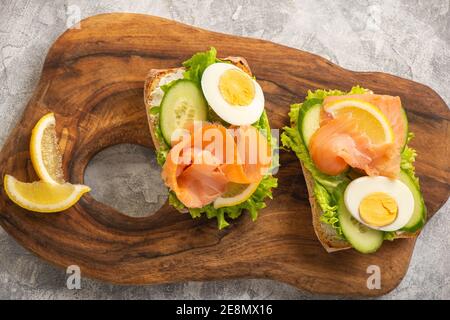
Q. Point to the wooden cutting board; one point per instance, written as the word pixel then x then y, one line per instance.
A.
pixel 92 80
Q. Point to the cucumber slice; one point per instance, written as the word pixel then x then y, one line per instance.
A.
pixel 309 119
pixel 405 119
pixel 182 103
pixel 419 215
pixel 361 237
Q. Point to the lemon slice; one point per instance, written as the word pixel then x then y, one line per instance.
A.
pixel 236 193
pixel 43 196
pixel 368 117
pixel 44 151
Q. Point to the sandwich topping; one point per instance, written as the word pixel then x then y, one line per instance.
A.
pixel 233 95
pixel 236 87
pixel 379 202
pixel 378 209
pixel 215 144
pixel 354 146
pixel 356 133
pixel 201 171
pixel 157 94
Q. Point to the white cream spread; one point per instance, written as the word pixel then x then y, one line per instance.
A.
pixel 157 94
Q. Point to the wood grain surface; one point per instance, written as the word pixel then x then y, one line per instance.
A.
pixel 93 79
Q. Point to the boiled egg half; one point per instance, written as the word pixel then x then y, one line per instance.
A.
pixel 379 202
pixel 232 94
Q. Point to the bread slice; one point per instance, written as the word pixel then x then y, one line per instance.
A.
pixel 152 81
pixel 326 234
pixel 154 78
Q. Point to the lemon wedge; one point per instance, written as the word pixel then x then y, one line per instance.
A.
pixel 44 151
pixel 52 193
pixel 236 194
pixel 43 196
pixel 368 116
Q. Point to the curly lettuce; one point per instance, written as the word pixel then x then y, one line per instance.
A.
pixel 252 205
pixel 323 93
pixel 408 156
pixel 389 235
pixel 196 65
pixel 163 150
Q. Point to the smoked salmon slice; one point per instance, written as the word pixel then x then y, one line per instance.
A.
pixel 340 142
pixel 253 156
pixel 200 166
pixel 390 106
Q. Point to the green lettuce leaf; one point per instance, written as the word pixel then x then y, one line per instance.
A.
pixel 163 150
pixel 198 63
pixel 174 202
pixel 322 93
pixel 167 86
pixel 408 157
pixel 389 235
pixel 329 207
pixel 252 205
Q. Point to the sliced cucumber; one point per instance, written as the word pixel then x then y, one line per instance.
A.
pixel 309 119
pixel 419 215
pixel 361 237
pixel 405 133
pixel 182 103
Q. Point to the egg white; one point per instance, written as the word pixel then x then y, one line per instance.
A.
pixel 236 115
pixel 359 188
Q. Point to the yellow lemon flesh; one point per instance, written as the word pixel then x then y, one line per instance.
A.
pixel 52 193
pixel 44 151
pixel 43 196
pixel 236 194
pixel 378 209
pixel 368 117
pixel 236 88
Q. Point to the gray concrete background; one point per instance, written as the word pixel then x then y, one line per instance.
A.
pixel 409 38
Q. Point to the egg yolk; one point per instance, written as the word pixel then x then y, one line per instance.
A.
pixel 236 88
pixel 378 209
